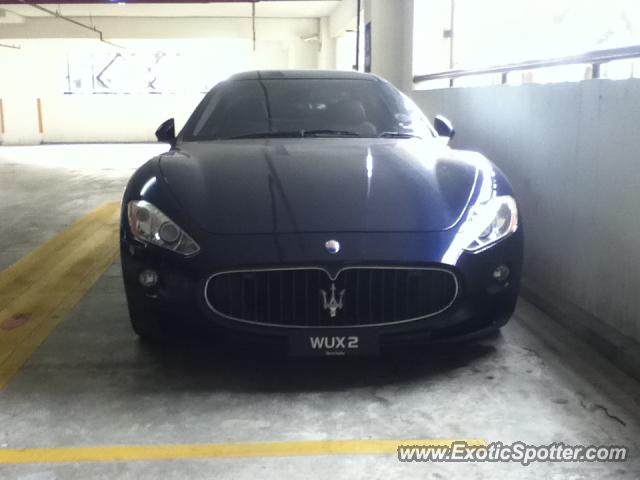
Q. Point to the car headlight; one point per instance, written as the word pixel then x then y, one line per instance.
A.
pixel 148 224
pixel 490 221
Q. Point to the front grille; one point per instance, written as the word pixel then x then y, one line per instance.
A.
pixel 303 297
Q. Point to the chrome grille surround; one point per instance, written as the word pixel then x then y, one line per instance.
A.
pixel 333 278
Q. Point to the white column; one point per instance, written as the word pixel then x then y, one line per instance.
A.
pixel 327 56
pixel 391 39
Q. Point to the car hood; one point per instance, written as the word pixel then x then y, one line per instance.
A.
pixel 321 185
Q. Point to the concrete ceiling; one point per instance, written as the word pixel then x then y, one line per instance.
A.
pixel 268 9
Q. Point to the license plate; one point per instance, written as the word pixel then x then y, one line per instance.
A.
pixel 333 343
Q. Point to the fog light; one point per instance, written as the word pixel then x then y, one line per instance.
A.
pixel 501 273
pixel 148 278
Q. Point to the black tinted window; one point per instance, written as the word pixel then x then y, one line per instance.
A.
pixel 366 108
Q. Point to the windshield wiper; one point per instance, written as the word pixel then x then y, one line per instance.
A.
pixel 289 134
pixel 327 132
pixel 397 135
pixel 296 134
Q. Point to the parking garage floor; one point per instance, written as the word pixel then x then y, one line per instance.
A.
pixel 90 400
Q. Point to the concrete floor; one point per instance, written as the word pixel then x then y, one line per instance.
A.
pixel 92 383
pixel 45 188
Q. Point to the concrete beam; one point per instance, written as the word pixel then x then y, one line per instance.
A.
pixel 7 17
pixel 151 28
pixel 343 17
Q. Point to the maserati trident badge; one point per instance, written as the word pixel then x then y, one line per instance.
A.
pixel 332 246
pixel 333 304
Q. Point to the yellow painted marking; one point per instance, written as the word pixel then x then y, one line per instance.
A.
pixel 47 284
pixel 40 123
pixel 127 453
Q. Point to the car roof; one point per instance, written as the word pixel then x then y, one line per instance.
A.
pixel 302 74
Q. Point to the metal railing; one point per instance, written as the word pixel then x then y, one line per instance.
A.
pixel 594 58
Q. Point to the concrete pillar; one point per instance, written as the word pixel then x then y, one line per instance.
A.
pixel 327 55
pixel 391 38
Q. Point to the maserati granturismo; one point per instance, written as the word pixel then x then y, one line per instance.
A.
pixel 321 212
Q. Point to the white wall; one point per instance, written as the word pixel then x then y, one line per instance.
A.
pixel 571 152
pixel 39 70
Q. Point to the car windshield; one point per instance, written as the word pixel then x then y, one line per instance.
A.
pixel 305 108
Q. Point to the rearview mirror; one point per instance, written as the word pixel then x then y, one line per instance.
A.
pixel 444 127
pixel 166 132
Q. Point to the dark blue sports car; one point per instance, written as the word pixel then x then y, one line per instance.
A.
pixel 322 212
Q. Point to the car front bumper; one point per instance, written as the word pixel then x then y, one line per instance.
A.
pixel 178 302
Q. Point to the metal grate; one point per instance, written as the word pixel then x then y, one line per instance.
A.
pixel 362 296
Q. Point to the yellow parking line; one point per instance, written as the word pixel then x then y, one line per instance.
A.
pixel 39 290
pixel 209 451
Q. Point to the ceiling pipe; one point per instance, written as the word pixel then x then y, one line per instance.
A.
pixel 128 2
pixel 253 23
pixel 71 20
pixel 356 66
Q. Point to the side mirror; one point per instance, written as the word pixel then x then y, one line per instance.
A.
pixel 444 127
pixel 166 132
